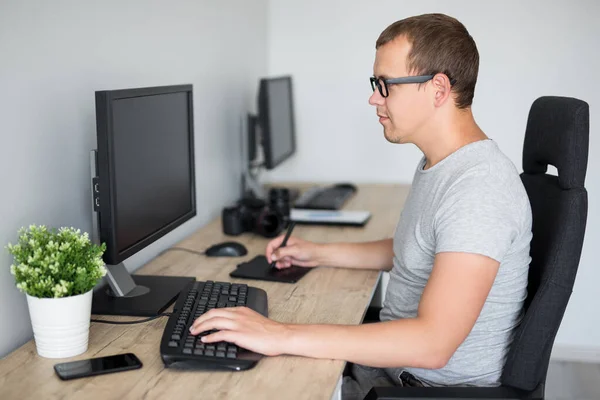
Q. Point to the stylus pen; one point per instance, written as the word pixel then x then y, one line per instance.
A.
pixel 285 239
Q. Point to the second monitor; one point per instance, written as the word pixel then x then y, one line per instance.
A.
pixel 273 130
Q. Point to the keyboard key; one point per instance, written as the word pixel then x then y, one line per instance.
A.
pixel 173 343
pixel 198 352
pixel 220 354
pixel 231 355
pixel 209 353
pixel 176 337
pixel 187 351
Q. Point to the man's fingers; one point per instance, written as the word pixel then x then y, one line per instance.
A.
pixel 221 336
pixel 287 262
pixel 272 246
pixel 287 251
pixel 214 323
pixel 215 313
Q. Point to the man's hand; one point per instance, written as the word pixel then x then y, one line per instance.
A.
pixel 297 252
pixel 244 327
pixel 376 255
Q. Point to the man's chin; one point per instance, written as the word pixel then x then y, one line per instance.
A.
pixel 391 137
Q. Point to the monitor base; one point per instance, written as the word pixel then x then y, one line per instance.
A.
pixel 152 295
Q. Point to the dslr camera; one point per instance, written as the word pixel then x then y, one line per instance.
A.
pixel 256 216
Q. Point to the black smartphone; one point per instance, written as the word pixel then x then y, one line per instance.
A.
pixel 97 366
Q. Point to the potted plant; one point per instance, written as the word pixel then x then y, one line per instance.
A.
pixel 57 270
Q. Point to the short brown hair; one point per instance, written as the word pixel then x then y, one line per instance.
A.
pixel 439 44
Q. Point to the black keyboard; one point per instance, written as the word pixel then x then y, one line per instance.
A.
pixel 327 198
pixel 180 349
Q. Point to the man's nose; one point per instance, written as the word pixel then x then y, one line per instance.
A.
pixel 376 99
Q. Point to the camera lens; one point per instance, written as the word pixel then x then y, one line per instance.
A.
pixel 231 220
pixel 269 223
pixel 279 201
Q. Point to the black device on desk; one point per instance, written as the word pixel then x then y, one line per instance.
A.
pixel 259 268
pixel 226 249
pixel 97 366
pixel 180 349
pixel 326 198
pixel 143 187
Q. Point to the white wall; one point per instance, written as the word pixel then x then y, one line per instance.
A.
pixel 54 55
pixel 527 49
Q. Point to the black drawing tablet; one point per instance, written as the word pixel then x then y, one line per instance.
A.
pixel 259 268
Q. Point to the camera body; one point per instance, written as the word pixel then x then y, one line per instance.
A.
pixel 256 216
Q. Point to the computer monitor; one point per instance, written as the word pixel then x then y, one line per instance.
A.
pixel 276 120
pixel 275 125
pixel 143 187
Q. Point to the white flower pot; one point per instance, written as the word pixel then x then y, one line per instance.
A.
pixel 61 326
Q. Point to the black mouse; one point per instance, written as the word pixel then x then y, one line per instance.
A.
pixel 346 185
pixel 226 249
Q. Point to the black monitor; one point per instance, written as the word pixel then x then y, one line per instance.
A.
pixel 276 119
pixel 143 188
pixel 273 129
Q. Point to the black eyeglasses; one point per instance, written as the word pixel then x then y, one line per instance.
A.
pixel 382 84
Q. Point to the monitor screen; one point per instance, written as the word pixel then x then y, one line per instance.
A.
pixel 145 164
pixel 276 119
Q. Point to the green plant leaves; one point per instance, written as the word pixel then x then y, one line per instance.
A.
pixel 56 263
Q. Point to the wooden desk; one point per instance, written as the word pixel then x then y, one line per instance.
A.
pixel 324 296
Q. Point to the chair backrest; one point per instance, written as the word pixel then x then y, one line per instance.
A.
pixel 557 134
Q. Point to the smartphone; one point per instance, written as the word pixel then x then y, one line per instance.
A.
pixel 97 366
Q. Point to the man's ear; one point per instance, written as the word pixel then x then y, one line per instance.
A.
pixel 442 88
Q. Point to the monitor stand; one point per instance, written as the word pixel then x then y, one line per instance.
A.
pixel 136 295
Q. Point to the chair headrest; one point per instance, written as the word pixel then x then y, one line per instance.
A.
pixel 558 134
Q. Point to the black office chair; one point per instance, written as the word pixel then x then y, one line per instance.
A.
pixel 557 134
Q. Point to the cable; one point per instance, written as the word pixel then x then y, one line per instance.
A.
pixel 200 253
pixel 168 314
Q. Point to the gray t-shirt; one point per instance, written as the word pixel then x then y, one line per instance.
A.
pixel 472 201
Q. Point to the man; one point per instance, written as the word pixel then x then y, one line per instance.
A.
pixel 459 257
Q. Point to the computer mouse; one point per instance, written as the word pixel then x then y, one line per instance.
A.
pixel 226 249
pixel 346 185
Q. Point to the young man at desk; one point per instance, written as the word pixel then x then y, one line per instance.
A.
pixel 459 257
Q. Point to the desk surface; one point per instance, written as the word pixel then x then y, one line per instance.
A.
pixel 324 296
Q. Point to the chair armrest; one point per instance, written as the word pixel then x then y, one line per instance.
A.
pixel 454 393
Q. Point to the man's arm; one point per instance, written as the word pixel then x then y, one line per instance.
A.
pixel 451 303
pixel 376 255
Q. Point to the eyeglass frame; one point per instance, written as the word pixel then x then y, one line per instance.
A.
pixel 403 80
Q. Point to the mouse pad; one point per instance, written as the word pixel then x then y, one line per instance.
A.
pixel 259 268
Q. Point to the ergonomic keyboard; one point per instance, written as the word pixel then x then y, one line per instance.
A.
pixel 325 198
pixel 180 349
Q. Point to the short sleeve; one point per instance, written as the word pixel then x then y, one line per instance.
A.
pixel 476 216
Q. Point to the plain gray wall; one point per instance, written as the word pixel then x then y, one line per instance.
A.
pixel 54 55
